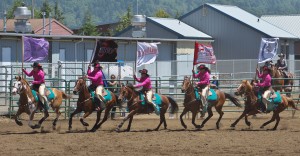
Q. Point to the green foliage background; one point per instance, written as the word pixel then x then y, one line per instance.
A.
pixel 106 11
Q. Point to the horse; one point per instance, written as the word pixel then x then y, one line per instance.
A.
pixel 280 83
pixel 134 105
pixel 29 104
pixel 251 105
pixel 85 103
pixel 194 105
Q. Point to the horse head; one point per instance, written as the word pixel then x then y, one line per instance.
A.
pixel 126 92
pixel 79 85
pixel 186 83
pixel 19 85
pixel 243 88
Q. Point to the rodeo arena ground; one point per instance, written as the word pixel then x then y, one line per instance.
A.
pixel 231 124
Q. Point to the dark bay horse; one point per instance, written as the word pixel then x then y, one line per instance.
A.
pixel 193 105
pixel 85 103
pixel 29 105
pixel 251 105
pixel 279 83
pixel 135 106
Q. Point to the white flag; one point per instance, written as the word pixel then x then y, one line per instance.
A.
pixel 146 53
pixel 268 49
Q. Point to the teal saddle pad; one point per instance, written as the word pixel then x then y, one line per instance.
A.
pixel 50 97
pixel 156 100
pixel 273 101
pixel 212 97
pixel 107 97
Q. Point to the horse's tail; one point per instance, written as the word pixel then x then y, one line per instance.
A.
pixel 233 99
pixel 65 96
pixel 291 103
pixel 174 105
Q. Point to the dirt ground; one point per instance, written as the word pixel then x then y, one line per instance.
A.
pixel 17 140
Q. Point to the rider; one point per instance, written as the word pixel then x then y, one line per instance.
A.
pixel 282 65
pixel 38 83
pixel 145 82
pixel 97 84
pixel 204 80
pixel 265 84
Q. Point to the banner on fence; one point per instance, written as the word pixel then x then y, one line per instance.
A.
pixel 35 49
pixel 204 54
pixel 146 53
pixel 268 49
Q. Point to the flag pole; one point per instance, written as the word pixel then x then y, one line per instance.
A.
pixel 22 54
pixel 134 69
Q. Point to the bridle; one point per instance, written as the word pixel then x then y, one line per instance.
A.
pixel 79 90
pixel 20 89
pixel 187 88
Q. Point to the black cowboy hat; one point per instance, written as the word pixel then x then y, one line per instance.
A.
pixel 202 66
pixel 144 71
pixel 36 64
pixel 281 54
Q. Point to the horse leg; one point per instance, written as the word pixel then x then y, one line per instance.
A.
pixel 210 114
pixel 97 126
pixel 130 115
pixel 86 114
pixel 266 123
pixel 46 115
pixel 71 117
pixel 162 119
pixel 56 119
pixel 185 110
pixel 129 124
pixel 17 117
pixel 194 114
pixel 32 110
pixel 237 120
pixel 221 113
pixel 277 117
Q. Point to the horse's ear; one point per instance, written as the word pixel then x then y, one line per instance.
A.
pixel 18 78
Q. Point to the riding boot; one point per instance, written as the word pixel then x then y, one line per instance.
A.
pixel 45 103
pixel 156 108
pixel 102 103
pixel 204 103
pixel 266 102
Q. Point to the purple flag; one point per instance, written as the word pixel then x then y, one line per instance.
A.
pixel 35 49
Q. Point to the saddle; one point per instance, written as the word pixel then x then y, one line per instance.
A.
pixel 106 95
pixel 48 92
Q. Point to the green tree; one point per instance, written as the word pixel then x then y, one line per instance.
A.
pixel 46 7
pixel 161 13
pixel 10 12
pixel 125 20
pixel 88 28
pixel 58 15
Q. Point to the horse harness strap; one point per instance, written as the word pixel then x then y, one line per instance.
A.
pixel 85 100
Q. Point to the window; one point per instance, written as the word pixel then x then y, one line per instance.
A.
pixel 62 54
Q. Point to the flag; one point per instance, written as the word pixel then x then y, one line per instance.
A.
pixel 35 49
pixel 146 53
pixel 268 49
pixel 105 51
pixel 204 54
pixel 105 83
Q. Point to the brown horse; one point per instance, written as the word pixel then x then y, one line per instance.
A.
pixel 29 105
pixel 85 103
pixel 280 83
pixel 135 106
pixel 251 105
pixel 193 105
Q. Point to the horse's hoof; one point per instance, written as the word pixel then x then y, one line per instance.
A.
pixel 248 124
pixel 156 129
pixel 261 127
pixel 232 126
pixel 117 130
pixel 70 128
pixel 19 123
pixel 93 130
pixel 198 126
pixel 184 126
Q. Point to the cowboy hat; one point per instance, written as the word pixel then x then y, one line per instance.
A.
pixel 97 65
pixel 266 68
pixel 36 64
pixel 202 66
pixel 144 71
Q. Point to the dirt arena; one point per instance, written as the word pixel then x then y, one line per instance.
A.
pixel 16 140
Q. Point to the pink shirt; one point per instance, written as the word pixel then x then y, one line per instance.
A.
pixel 203 78
pixel 145 82
pixel 95 76
pixel 38 77
pixel 265 80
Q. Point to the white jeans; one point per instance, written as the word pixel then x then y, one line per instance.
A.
pixel 265 97
pixel 149 95
pixel 99 91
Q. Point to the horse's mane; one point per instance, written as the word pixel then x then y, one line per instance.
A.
pixel 130 85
